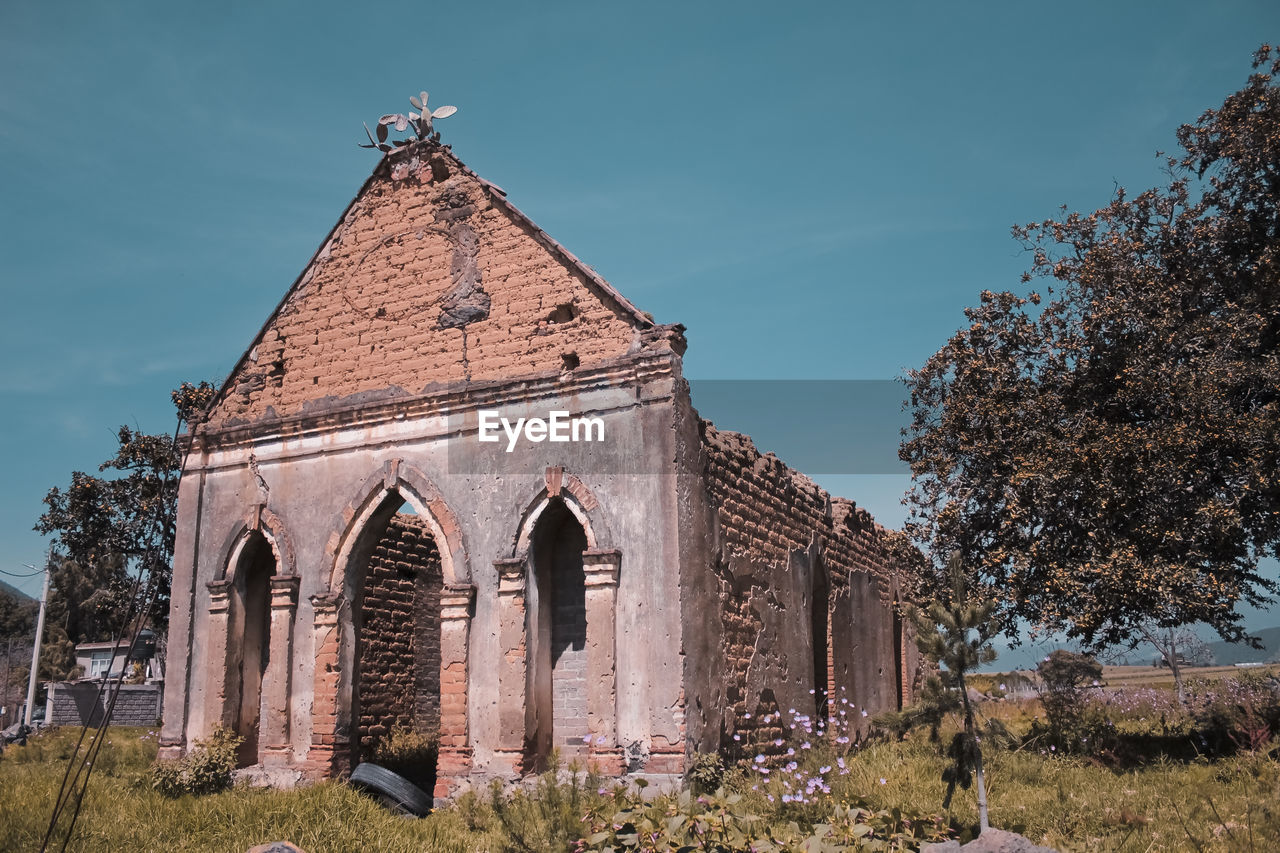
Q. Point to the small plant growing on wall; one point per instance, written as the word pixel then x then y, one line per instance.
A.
pixel 421 120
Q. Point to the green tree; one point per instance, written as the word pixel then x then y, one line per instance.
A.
pixel 1066 677
pixel 17 613
pixel 107 531
pixel 954 631
pixel 1107 455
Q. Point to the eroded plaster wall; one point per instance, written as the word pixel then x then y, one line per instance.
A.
pixel 315 484
pixel 776 546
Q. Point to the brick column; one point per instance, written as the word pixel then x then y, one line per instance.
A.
pixel 217 661
pixel 275 683
pixel 513 668
pixel 455 623
pixel 601 578
pixel 329 740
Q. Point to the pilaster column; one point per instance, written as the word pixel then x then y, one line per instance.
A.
pixel 216 662
pixel 601 570
pixel 276 694
pixel 455 625
pixel 329 739
pixel 513 668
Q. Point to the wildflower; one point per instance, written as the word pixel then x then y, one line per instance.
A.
pixel 884 781
pixel 759 759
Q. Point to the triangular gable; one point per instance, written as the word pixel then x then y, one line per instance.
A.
pixel 430 278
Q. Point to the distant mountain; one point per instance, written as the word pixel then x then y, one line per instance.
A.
pixel 14 593
pixel 1226 654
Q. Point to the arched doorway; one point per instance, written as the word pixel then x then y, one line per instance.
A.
pixel 250 621
pixel 395 580
pixel 557 630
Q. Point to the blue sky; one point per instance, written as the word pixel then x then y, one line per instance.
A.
pixel 816 191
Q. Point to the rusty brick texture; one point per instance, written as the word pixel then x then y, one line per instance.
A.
pixel 773 523
pixel 430 278
pixel 399 638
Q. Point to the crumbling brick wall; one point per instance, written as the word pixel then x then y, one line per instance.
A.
pixel 430 278
pixel 399 646
pixel 786 547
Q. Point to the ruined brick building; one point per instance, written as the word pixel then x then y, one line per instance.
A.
pixel 351 557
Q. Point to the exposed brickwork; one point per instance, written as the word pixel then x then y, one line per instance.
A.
pixel 771 519
pixel 430 278
pixel 568 655
pixel 399 669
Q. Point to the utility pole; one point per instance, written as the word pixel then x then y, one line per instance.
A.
pixel 35 653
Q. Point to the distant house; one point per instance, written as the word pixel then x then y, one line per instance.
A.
pixel 107 659
pixel 84 702
pixel 100 659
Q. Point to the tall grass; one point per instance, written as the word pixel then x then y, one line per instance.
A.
pixel 122 812
pixel 1069 803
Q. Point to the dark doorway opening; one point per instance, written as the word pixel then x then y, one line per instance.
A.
pixel 250 624
pixel 558 636
pixel 397 581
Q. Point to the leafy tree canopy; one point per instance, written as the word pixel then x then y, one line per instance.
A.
pixel 108 529
pixel 1109 452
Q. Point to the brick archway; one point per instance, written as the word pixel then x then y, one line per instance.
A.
pixel 577 498
pixel 363 520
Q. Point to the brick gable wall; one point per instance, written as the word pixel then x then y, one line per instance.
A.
pixel 430 278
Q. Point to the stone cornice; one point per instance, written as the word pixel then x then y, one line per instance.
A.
pixel 644 368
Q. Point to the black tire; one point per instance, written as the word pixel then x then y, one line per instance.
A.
pixel 392 790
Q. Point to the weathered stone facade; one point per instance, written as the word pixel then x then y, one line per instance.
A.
pixel 352 557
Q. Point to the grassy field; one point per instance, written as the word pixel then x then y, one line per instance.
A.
pixel 1069 803
pixel 1162 676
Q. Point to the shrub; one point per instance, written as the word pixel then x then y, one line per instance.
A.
pixel 724 822
pixel 548 816
pixel 206 769
pixel 706 773
pixel 1238 714
pixel 411 754
pixel 1067 680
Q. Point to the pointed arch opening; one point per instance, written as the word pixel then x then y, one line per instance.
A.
pixel 557 631
pixel 394 580
pixel 249 620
